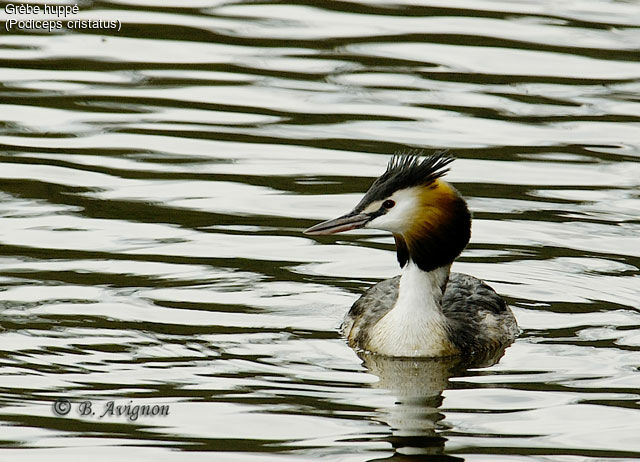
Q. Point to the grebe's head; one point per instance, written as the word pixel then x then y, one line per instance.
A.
pixel 427 216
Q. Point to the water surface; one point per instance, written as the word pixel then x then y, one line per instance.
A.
pixel 154 183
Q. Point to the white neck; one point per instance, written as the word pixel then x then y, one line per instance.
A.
pixel 416 325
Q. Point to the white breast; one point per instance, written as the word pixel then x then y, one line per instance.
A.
pixel 415 326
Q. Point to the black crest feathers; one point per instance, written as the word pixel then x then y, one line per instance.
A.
pixel 406 170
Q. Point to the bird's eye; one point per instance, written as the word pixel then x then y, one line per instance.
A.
pixel 388 204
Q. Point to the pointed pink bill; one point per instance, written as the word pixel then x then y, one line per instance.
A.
pixel 338 225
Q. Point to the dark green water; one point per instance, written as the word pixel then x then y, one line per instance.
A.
pixel 154 183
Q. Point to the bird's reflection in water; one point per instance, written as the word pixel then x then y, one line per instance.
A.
pixel 417 385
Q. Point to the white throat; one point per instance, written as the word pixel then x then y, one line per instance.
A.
pixel 416 325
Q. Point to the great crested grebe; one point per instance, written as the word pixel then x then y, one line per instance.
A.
pixel 427 311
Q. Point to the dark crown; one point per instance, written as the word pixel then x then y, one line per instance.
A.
pixel 406 170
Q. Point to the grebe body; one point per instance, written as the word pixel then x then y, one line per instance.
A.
pixel 426 311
